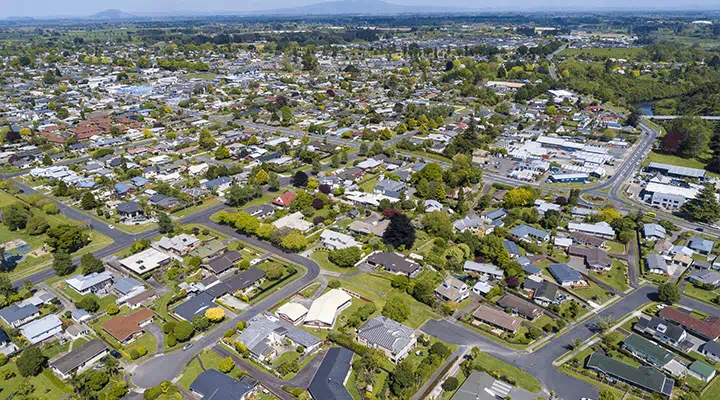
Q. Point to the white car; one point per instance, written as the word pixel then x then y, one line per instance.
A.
pixel 111 226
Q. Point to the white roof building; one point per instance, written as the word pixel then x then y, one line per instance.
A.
pixel 293 221
pixel 292 312
pixel 335 240
pixel 41 329
pixel 602 229
pixel 324 310
pixel 81 284
pixel 145 261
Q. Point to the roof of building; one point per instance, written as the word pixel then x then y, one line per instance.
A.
pixel 702 369
pixel 40 326
pixel 524 308
pixel 593 256
pixel 126 285
pixel 657 324
pixel 293 311
pixel 709 327
pixel 645 377
pixel 245 279
pixel 79 355
pixel 224 262
pixel 329 380
pixel 546 290
pixel 15 313
pixel 497 317
pixel 212 384
pixel 122 327
pixel 482 268
pixel 386 333
pixel 584 238
pixel 564 273
pixel 654 230
pixel 178 243
pixel 701 244
pixel 324 309
pixel 655 261
pixel 526 230
pixel 394 262
pixel 145 261
pixel 81 283
pixel 255 336
pixel 649 349
pixel 195 305
pixel 677 170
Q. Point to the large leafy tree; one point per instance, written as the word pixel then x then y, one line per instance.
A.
pixel 704 207
pixel 31 362
pixel 668 292
pixel 400 232
pixel 67 238
pixel 89 264
pixel 62 263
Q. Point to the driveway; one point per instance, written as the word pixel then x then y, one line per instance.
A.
pixel 157 332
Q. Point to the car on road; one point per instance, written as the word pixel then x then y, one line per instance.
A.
pixel 187 346
pixel 111 226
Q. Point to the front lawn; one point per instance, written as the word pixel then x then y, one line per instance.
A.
pixel 46 384
pixel 524 380
pixel 593 293
pixel 700 294
pixel 321 258
pixel 615 277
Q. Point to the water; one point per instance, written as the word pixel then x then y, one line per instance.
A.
pixel 645 107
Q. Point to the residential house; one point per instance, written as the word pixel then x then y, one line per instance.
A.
pixel 702 371
pixel 334 240
pixel 600 229
pixel 325 309
pixel 647 378
pixel 16 315
pixel 264 333
pixel 654 232
pixel 145 261
pixel 180 245
pixel 391 337
pixel 126 328
pixel 483 269
pixel 79 359
pixel 655 264
pixel 528 233
pixel 329 379
pixel 284 199
pixel 662 330
pixel 42 329
pixel 587 240
pixel 595 259
pixel 293 313
pixel 566 276
pixel 496 319
pixel 222 263
pixel 293 221
pixel 212 384
pixel 129 210
pixel 711 349
pixel 648 351
pixel 545 294
pixel 96 282
pixel 390 188
pixel 701 245
pixel 705 279
pixel 452 289
pixel 518 306
pixel 394 263
pixel 262 211
pixel 708 329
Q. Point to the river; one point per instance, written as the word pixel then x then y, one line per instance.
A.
pixel 645 107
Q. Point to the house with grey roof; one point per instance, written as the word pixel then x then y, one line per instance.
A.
pixel 648 351
pixel 566 275
pixel 212 384
pixel 42 329
pixel 528 233
pixel 545 294
pixel 711 349
pixel 662 330
pixel 395 263
pixel 329 379
pixel 483 269
pixel 655 264
pixel 266 333
pixel 393 338
pixel 390 188
pixel 701 245
pixel 79 359
pixel 706 278
pixel 452 289
pixel 95 282
pixel 654 232
pixel 15 315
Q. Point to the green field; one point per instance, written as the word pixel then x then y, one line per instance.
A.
pixel 46 384
pixel 615 277
pixel 523 379
pixel 321 257
pixel 599 52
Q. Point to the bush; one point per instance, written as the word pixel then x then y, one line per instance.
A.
pixel 226 365
pixel 169 327
pixel 31 362
pixel 241 325
pixel 184 331
pixel 112 309
pixel 171 340
pixel 334 284
pixel 142 350
pixel 152 393
pixel 345 258
pixel 3 359
pixel 134 354
pixel 450 384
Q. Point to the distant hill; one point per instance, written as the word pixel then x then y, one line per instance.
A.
pixel 366 7
pixel 112 14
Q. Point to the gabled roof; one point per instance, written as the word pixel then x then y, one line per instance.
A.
pixel 16 313
pixel 329 380
pixel 648 349
pixel 524 308
pixel 386 333
pixel 122 327
pixel 709 327
pixel 212 384
pixel 646 377
pixel 78 356
pixel 564 273
pixel 497 317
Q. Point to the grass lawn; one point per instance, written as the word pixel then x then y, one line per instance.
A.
pixel 161 306
pixel 712 392
pixel 615 277
pixel 700 294
pixel 321 257
pixel 369 185
pixel 146 340
pixel 288 356
pixel 523 379
pixel 46 384
pixel 593 293
pixel 615 247
pixel 352 388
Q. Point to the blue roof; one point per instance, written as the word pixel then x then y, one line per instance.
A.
pixel 531 269
pixel 217 182
pixel 86 184
pixel 564 273
pixel 700 244
pixel 16 313
pixel 139 181
pixel 121 188
pixel 525 230
pixel 511 247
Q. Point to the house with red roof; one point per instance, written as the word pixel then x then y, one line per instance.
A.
pixel 284 199
pixel 708 328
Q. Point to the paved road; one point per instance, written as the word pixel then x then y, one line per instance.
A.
pixel 166 366
pixel 538 362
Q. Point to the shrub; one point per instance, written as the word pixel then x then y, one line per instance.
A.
pixel 134 354
pixel 334 284
pixel 142 350
pixel 171 340
pixel 3 359
pixel 450 384
pixel 152 393
pixel 112 309
pixel 226 365
pixel 169 327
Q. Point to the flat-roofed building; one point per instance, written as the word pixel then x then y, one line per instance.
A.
pixel 145 261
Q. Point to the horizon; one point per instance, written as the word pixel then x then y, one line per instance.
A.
pixel 45 9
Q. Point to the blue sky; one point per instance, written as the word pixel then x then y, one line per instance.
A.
pixel 46 8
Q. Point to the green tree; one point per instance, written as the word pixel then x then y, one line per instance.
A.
pixel 294 241
pixel 437 223
pixel 345 258
pixel 67 238
pixel 704 207
pixel 88 201
pixel 165 224
pixel 668 293
pixel 450 384
pixel 15 216
pixel 62 264
pixel 396 310
pixel 222 152
pixel 226 365
pixel 183 331
pixel 37 225
pixel 31 362
pixel 206 139
pixel 400 232
pixel 607 395
pixel 89 264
